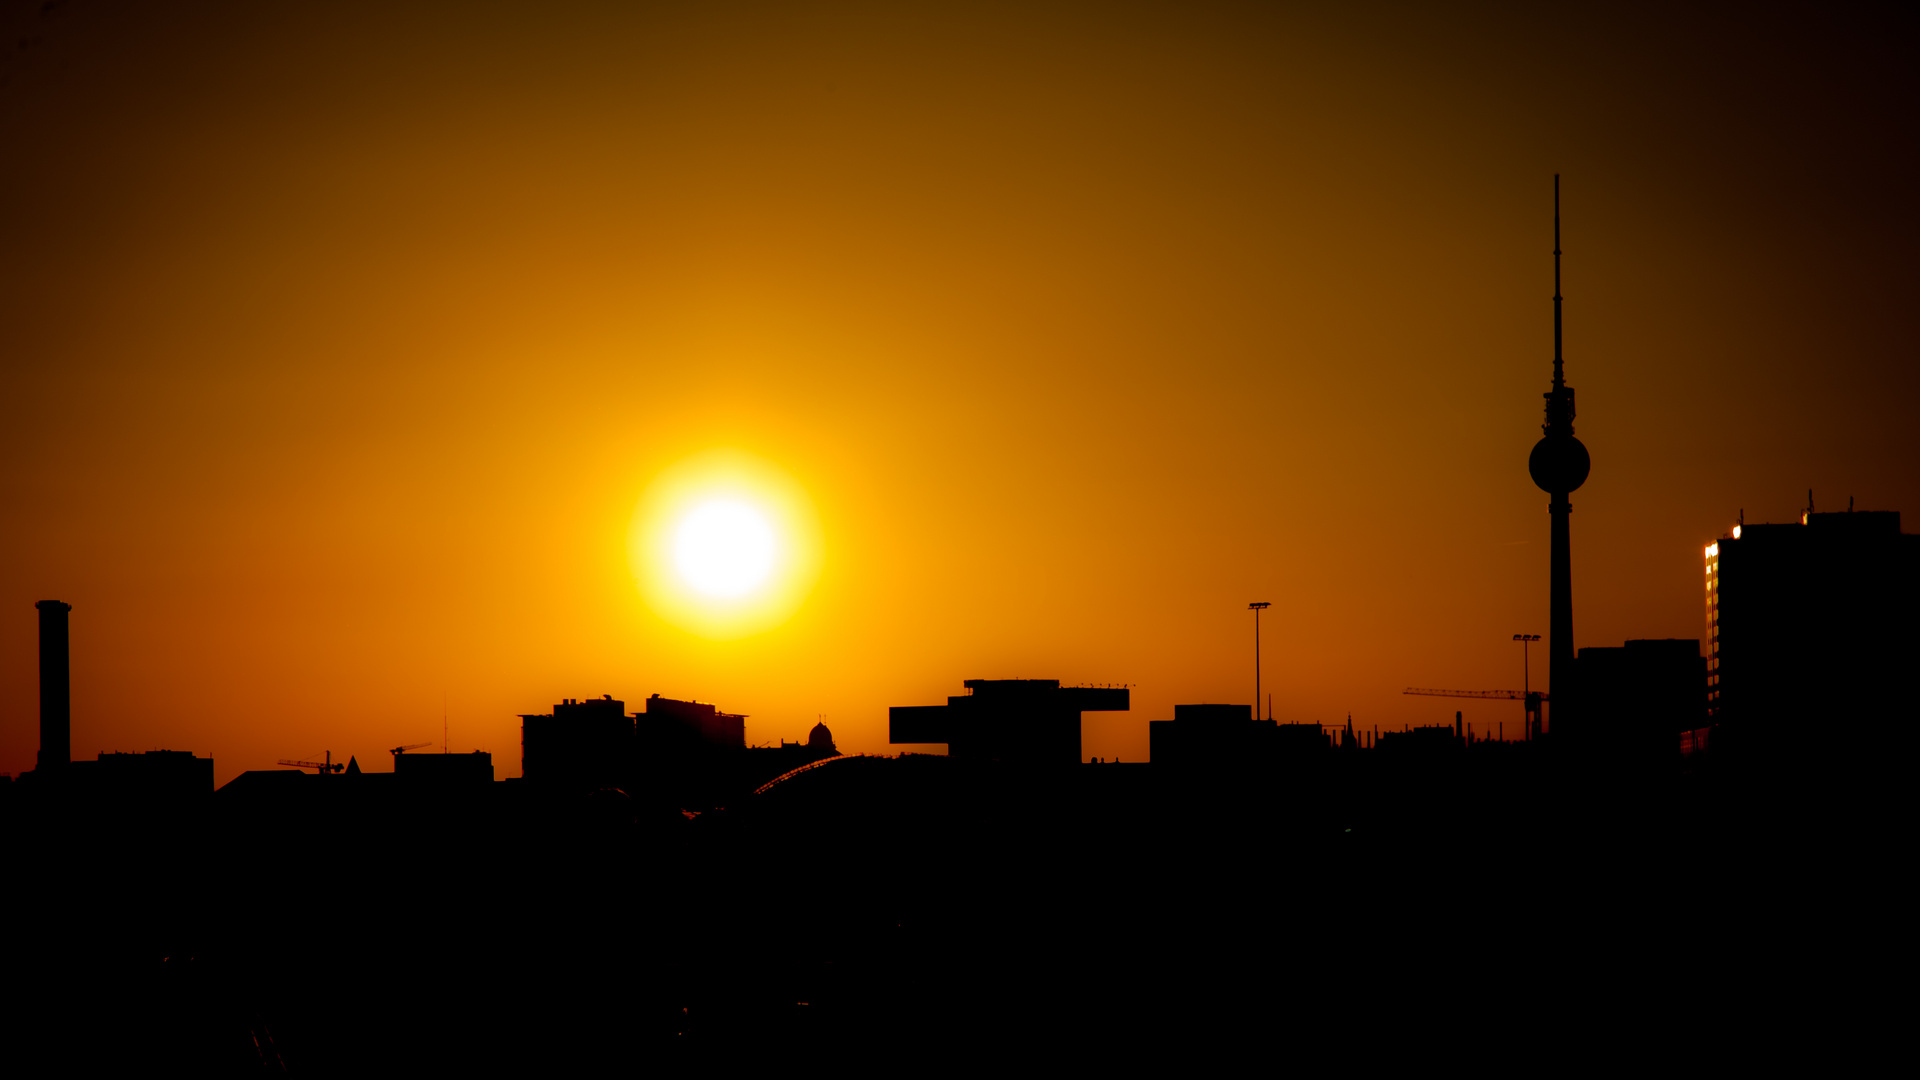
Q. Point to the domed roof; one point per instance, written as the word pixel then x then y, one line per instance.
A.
pixel 820 736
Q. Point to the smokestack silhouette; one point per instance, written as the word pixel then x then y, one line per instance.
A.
pixel 56 700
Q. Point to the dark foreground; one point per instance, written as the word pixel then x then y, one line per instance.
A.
pixel 914 912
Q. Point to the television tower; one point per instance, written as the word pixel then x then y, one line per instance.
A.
pixel 1559 464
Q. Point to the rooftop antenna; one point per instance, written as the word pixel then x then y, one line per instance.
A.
pixel 443 721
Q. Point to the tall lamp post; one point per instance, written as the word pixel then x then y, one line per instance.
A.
pixel 1257 607
pixel 1525 687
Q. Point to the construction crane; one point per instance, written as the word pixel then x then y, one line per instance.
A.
pixel 398 750
pixel 319 767
pixel 1532 698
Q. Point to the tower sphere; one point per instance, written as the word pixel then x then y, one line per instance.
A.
pixel 1559 464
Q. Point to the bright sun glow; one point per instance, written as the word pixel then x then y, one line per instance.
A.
pixel 724 548
pixel 725 545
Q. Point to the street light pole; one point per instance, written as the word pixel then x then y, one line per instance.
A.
pixel 1525 686
pixel 1257 607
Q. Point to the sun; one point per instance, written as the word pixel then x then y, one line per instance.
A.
pixel 724 548
pixel 725 545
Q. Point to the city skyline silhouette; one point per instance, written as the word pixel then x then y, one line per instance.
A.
pixel 342 392
pixel 615 537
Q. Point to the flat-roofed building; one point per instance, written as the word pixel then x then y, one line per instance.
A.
pixel 1027 721
pixel 691 726
pixel 1636 701
pixel 474 768
pixel 585 745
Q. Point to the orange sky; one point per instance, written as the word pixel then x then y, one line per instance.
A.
pixel 342 343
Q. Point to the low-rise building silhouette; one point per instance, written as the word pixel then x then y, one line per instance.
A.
pixel 672 727
pixel 1220 736
pixel 1635 702
pixel 1427 741
pixel 763 763
pixel 685 754
pixel 1202 735
pixel 1024 721
pixel 690 754
pixel 133 789
pixel 581 745
pixel 474 768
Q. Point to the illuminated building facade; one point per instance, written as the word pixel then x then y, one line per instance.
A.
pixel 1809 626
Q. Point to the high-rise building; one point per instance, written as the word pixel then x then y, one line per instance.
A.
pixel 1810 627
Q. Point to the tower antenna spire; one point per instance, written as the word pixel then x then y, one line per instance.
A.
pixel 1559 373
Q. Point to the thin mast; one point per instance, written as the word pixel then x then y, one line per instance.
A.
pixel 1559 379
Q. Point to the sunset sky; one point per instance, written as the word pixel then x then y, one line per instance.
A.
pixel 360 360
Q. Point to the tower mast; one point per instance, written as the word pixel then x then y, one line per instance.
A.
pixel 1559 360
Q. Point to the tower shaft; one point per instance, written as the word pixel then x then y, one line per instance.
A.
pixel 1560 602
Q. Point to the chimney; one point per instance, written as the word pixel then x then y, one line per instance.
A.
pixel 56 701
